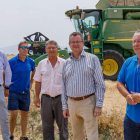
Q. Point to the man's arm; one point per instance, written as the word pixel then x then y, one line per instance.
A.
pixel 31 80
pixel 7 74
pixel 6 91
pixel 37 90
pixel 99 87
pixel 123 90
pixel 64 97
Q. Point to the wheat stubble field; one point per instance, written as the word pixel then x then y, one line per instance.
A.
pixel 110 122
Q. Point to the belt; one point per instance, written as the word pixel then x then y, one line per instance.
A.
pixel 50 96
pixel 81 98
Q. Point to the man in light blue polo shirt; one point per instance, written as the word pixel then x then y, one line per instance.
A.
pixel 129 86
pixel 19 91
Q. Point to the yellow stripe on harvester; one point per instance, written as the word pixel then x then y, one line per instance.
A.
pixel 120 40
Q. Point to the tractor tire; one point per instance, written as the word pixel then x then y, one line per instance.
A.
pixel 112 64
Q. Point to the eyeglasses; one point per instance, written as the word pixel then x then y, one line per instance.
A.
pixel 24 47
pixel 49 48
pixel 77 42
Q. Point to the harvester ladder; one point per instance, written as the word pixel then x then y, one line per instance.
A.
pixel 97 47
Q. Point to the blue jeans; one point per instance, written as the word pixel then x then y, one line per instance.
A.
pixel 19 100
pixel 131 129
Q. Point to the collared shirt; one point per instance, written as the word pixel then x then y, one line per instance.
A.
pixel 4 65
pixel 130 75
pixel 50 78
pixel 21 73
pixel 138 66
pixel 83 77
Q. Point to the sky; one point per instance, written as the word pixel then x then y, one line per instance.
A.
pixel 20 18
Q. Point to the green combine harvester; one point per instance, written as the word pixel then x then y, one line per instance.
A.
pixel 108 32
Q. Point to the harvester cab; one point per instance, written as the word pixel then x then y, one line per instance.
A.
pixel 108 31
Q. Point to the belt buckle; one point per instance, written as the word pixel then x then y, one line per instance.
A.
pixel 52 97
pixel 83 97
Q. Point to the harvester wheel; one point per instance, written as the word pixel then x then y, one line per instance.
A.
pixel 112 64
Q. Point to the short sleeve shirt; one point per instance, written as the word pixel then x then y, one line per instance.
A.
pixel 130 75
pixel 21 73
pixel 50 78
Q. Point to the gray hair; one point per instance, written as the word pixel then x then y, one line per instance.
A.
pixel 52 42
pixel 22 42
pixel 75 34
pixel 137 32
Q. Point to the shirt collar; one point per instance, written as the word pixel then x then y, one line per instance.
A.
pixel 82 54
pixel 138 65
pixel 58 59
pixel 17 57
pixel 135 58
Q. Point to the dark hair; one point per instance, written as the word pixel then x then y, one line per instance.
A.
pixel 75 34
pixel 22 42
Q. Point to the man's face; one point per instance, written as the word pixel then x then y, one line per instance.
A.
pixel 23 51
pixel 76 44
pixel 136 43
pixel 51 50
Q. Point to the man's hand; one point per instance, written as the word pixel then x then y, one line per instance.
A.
pixel 6 92
pixel 37 102
pixel 30 86
pixel 136 97
pixel 97 111
pixel 130 100
pixel 66 113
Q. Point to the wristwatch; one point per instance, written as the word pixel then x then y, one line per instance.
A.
pixel 6 87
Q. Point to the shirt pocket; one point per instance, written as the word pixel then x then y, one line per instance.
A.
pixel 58 78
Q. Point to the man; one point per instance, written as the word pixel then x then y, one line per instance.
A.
pixel 19 91
pixel 4 92
pixel 129 86
pixel 84 88
pixel 48 78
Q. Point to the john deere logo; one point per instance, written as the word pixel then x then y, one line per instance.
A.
pixel 62 55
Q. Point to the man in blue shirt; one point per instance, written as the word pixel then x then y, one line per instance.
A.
pixel 19 91
pixel 129 86
pixel 5 81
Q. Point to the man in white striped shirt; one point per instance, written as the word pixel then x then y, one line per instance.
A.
pixel 83 89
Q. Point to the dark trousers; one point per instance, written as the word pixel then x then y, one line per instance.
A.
pixel 51 109
pixel 131 129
